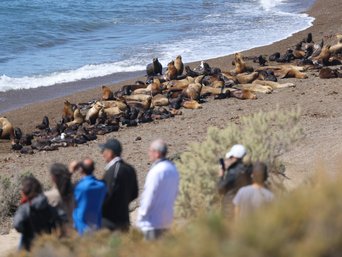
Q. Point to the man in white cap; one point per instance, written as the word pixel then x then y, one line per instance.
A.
pixel 235 174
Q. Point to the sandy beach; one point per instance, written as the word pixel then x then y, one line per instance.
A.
pixel 319 100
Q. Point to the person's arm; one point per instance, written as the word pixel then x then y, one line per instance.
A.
pixel 135 189
pixel 226 182
pixel 148 196
pixel 20 218
pixel 237 202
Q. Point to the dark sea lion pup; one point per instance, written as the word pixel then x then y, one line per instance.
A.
pixel 154 68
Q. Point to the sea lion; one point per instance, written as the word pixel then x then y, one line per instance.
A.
pixel 171 72
pixel 154 68
pixel 93 112
pixel 138 98
pixel 240 65
pixel 7 130
pixel 273 85
pixel 112 111
pixel 115 103
pixel 243 94
pixel 327 73
pixel 68 111
pixel 255 88
pixel 245 78
pixel 192 104
pixel 107 94
pixel 160 100
pixel 261 60
pixel 78 118
pixel 193 91
pixel 290 73
pixel 203 69
pixel 191 73
pixel 155 87
pixel 336 49
pixel 179 65
pixel 323 57
pixel 274 57
pixel 267 75
pixel 45 124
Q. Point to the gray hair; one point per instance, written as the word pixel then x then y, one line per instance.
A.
pixel 160 146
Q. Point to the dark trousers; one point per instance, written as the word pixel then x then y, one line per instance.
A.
pixel 154 234
pixel 107 224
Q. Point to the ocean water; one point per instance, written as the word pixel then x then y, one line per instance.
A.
pixel 47 42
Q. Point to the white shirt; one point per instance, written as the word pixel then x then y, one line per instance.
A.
pixel 158 197
pixel 112 162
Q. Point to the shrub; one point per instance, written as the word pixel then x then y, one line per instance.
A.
pixel 304 222
pixel 266 137
pixel 9 199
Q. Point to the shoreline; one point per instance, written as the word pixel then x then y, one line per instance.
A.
pixel 15 99
pixel 319 100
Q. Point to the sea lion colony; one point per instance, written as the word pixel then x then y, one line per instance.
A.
pixel 162 96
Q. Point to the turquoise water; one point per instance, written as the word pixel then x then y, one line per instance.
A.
pixel 44 42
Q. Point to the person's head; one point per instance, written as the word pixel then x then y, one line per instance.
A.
pixel 61 176
pixel 236 153
pixel 157 150
pixel 31 187
pixel 259 174
pixel 111 149
pixel 87 167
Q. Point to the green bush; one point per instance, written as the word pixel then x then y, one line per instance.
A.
pixel 9 199
pixel 304 222
pixel 265 135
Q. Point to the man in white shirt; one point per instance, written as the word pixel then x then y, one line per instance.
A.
pixel 155 214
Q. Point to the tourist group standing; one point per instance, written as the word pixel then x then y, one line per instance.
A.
pixel 92 203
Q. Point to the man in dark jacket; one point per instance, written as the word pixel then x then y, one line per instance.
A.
pixel 35 216
pixel 234 175
pixel 122 185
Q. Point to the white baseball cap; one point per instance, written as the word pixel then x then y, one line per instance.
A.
pixel 237 151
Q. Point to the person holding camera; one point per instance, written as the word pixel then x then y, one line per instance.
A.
pixel 234 174
pixel 252 197
pixel 89 194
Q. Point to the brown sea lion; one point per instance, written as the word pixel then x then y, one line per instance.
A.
pixel 112 111
pixel 171 72
pixel 243 94
pixel 155 87
pixel 7 129
pixel 107 94
pixel 255 88
pixel 115 103
pixel 327 73
pixel 179 65
pixel 78 118
pixel 68 112
pixel 138 98
pixel 336 49
pixel 323 57
pixel 240 65
pixel 192 104
pixel 160 100
pixel 193 91
pixel 245 78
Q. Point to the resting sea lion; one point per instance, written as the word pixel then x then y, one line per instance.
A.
pixel 327 73
pixel 7 130
pixel 274 57
pixel 190 72
pixel 245 78
pixel 107 94
pixel 273 85
pixel 323 57
pixel 160 100
pixel 193 91
pixel 179 65
pixel 243 94
pixel 154 68
pixel 192 104
pixel 78 118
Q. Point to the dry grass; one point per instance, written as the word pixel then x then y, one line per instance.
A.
pixel 305 222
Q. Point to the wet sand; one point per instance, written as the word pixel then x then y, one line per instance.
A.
pixel 319 100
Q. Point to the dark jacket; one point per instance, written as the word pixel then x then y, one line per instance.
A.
pixel 235 177
pixel 122 188
pixel 35 218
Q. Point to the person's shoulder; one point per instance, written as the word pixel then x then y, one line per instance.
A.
pixel 127 166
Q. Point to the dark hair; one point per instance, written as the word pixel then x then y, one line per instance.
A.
pixel 31 187
pixel 62 178
pixel 260 173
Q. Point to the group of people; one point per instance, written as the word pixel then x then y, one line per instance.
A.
pixel 92 204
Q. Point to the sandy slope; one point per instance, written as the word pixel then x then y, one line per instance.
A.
pixel 320 101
